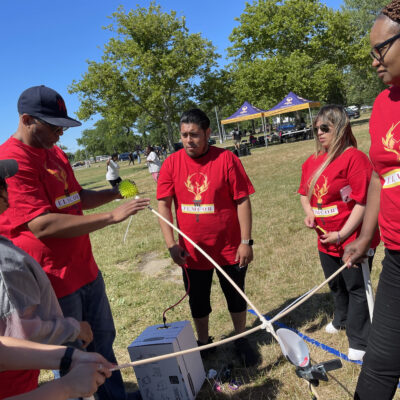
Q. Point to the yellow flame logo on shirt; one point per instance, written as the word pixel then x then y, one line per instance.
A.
pixel 389 142
pixel 60 175
pixel 320 192
pixel 197 187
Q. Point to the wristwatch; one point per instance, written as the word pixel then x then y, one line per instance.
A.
pixel 66 361
pixel 250 242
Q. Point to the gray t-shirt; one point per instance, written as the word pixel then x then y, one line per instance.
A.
pixel 29 308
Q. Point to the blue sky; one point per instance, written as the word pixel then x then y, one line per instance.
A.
pixel 49 41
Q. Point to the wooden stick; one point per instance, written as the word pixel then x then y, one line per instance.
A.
pixel 127 228
pixel 265 324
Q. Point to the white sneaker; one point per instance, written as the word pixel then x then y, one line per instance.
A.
pixel 331 329
pixel 355 355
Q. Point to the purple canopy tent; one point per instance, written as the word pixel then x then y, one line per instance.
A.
pixel 246 112
pixel 291 103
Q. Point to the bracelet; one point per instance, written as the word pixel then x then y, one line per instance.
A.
pixel 338 239
pixel 65 363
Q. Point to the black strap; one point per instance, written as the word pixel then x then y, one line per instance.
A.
pixel 65 363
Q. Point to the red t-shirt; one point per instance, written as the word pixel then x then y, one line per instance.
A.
pixel 13 383
pixel 205 191
pixel 384 128
pixel 45 183
pixel 351 168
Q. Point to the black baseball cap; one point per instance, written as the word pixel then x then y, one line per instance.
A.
pixel 8 168
pixel 47 105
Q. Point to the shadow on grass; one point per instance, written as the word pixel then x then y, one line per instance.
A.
pixel 357 122
pixel 98 184
pixel 318 307
pixel 257 384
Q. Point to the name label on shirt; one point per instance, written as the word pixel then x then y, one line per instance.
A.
pixel 201 209
pixel 66 201
pixel 392 178
pixel 326 211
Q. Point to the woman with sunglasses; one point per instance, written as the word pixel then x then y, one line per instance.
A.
pixel 333 192
pixel 381 368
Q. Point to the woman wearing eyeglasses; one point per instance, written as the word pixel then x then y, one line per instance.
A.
pixel 333 192
pixel 381 368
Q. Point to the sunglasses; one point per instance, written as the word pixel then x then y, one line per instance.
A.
pixel 54 128
pixel 323 128
pixel 376 51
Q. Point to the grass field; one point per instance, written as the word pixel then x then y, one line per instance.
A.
pixel 285 266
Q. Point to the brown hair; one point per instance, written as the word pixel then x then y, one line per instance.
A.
pixel 343 138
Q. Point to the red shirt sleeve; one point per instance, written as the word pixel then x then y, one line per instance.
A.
pixel 27 194
pixel 239 183
pixel 165 183
pixel 303 182
pixel 359 175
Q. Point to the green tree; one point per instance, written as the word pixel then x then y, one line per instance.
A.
pixel 104 138
pixel 80 155
pixel 149 69
pixel 363 14
pixel 298 45
pixel 362 83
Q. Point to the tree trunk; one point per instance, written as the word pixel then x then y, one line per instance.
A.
pixel 170 135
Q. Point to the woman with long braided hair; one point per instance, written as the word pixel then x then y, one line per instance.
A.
pixel 380 372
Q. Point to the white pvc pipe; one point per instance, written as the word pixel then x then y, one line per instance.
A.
pixel 367 282
pixel 265 324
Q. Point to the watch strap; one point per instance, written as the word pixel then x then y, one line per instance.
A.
pixel 66 360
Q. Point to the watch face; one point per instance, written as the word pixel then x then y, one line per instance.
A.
pixel 251 241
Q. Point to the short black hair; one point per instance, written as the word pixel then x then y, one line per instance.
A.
pixel 195 116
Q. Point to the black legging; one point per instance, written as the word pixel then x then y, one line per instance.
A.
pixel 351 307
pixel 381 366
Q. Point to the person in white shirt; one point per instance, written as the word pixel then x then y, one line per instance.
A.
pixel 153 162
pixel 113 170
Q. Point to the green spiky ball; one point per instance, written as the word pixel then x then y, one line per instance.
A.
pixel 127 189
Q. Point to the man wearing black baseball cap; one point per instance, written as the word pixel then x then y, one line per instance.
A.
pixel 45 219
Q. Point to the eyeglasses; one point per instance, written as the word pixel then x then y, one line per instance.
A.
pixel 323 128
pixel 54 128
pixel 376 51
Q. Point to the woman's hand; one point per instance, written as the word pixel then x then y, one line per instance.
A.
pixel 331 237
pixel 309 220
pixel 86 334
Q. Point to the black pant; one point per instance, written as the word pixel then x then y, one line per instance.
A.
pixel 351 307
pixel 115 182
pixel 200 289
pixel 381 366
